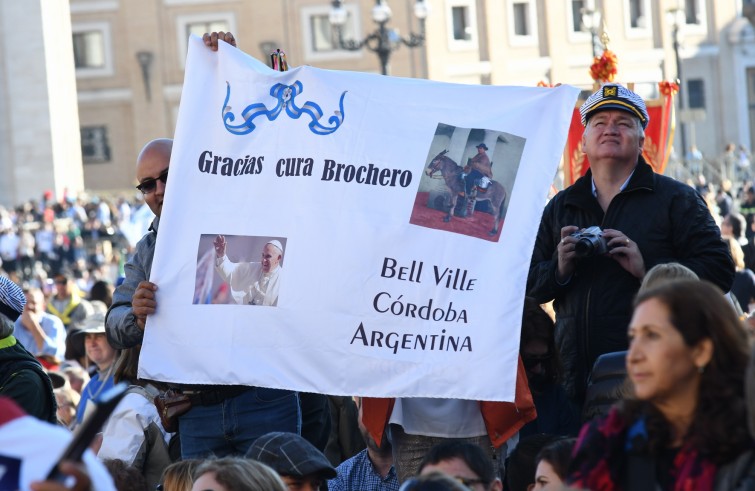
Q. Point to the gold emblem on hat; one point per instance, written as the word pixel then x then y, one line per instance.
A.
pixel 610 91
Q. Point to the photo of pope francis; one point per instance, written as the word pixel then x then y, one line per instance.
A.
pixel 251 283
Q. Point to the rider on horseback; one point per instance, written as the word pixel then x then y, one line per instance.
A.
pixel 478 171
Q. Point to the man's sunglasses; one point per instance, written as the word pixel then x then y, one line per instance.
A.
pixel 534 360
pixel 149 185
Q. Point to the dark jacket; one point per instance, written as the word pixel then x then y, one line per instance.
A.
pixel 668 220
pixel 738 475
pixel 606 386
pixel 23 380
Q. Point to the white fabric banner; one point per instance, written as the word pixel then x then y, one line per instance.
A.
pixel 343 271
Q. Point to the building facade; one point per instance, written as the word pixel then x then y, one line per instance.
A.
pixel 39 124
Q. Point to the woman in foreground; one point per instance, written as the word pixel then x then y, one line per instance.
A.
pixel 685 425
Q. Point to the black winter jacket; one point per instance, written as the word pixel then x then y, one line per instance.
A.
pixel 668 220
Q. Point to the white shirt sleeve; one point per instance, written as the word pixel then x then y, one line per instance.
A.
pixel 123 437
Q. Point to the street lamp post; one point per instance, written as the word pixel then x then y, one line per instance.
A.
pixel 384 40
pixel 676 17
pixel 591 21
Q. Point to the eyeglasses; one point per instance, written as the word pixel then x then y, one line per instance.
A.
pixel 149 185
pixel 467 482
pixel 534 360
pixel 415 484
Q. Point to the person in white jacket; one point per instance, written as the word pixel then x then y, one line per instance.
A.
pixel 134 433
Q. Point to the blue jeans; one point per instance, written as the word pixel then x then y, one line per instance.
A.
pixel 230 427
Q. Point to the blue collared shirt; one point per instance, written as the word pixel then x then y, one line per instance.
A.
pixel 358 474
pixel 622 188
pixel 54 341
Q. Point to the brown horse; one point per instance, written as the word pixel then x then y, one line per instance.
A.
pixel 451 173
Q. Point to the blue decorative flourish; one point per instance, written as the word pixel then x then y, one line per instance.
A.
pixel 284 94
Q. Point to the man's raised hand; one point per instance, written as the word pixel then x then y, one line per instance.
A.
pixel 219 244
pixel 211 39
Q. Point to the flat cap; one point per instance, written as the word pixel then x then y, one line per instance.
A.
pixel 290 455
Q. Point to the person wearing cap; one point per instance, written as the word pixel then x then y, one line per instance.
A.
pixel 301 466
pixel 646 219
pixel 478 167
pixel 21 375
pixel 103 355
pixel 251 283
pixel 223 419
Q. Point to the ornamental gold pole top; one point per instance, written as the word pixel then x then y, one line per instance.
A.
pixel 604 39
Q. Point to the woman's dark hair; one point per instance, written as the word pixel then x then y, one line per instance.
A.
pixel 522 463
pixel 127 364
pixel 537 325
pixel 699 310
pixel 558 455
pixel 472 455
pixel 125 477
pixel 103 291
pixel 738 224
pixel 433 481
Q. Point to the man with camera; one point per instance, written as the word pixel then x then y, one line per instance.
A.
pixel 599 236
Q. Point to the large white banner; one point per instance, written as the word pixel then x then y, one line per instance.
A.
pixel 344 273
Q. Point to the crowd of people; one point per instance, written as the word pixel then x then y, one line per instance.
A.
pixel 635 372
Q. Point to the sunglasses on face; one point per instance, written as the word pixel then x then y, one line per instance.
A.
pixel 149 185
pixel 533 360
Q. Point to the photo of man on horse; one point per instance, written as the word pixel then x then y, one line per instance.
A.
pixel 454 189
pixel 459 181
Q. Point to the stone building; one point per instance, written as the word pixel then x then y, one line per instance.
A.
pixel 129 61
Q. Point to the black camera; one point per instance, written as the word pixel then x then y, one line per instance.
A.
pixel 590 242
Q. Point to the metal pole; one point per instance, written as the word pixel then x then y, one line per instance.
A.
pixel 682 124
pixel 382 42
pixel 383 49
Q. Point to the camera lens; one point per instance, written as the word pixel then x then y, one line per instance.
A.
pixel 584 247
